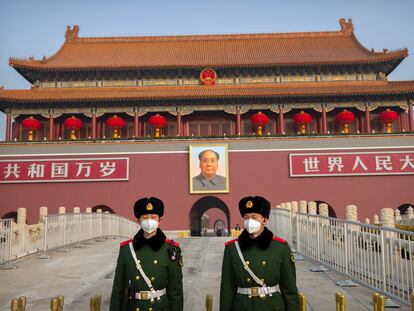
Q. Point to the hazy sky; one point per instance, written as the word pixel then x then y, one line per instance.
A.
pixel 37 28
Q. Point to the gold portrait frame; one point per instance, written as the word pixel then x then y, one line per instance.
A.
pixel 195 171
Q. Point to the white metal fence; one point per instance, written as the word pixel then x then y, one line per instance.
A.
pixel 58 232
pixel 380 258
pixel 5 240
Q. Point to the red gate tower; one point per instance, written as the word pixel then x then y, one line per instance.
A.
pixel 92 141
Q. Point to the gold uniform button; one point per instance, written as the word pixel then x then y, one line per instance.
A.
pixel 137 277
pixel 263 280
pixel 263 263
pixel 150 309
pixel 248 280
pixel 139 261
pixel 152 278
pixel 137 309
pixel 155 262
pixel 247 262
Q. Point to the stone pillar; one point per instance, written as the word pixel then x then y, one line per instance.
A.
pixel 42 213
pixel 397 215
pixel 295 207
pixel 324 121
pixel 283 205
pixel 51 126
pixel 179 131
pixel 8 126
pixel 387 217
pixel 367 221
pixel 367 119
pixel 410 212
pixel 238 121
pixel 411 116
pixel 281 121
pixel 62 210
pixel 136 124
pixel 288 206
pixel 303 207
pixel 21 216
pixel 94 125
pixel 376 220
pixel 312 208
pixel 324 210
pixel 76 210
pixel 89 210
pixel 351 213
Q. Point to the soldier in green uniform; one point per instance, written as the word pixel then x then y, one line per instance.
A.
pixel 258 271
pixel 148 275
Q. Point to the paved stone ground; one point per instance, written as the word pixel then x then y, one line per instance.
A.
pixel 84 272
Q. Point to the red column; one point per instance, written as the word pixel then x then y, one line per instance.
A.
pixel 179 131
pixel 281 121
pixel 402 121
pixel 8 126
pixel 238 121
pixel 136 124
pixel 94 125
pixel 411 116
pixel 324 121
pixel 367 120
pixel 51 126
pixel 356 123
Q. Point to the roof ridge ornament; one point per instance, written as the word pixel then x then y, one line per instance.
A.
pixel 71 34
pixel 347 27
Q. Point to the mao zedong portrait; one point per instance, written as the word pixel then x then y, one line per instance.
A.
pixel 208 180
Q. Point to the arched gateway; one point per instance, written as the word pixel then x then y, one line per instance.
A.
pixel 200 207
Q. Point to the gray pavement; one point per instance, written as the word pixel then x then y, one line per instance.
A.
pixel 85 272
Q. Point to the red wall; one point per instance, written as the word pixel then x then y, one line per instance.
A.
pixel 165 175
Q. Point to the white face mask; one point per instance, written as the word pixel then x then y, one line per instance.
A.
pixel 252 225
pixel 149 225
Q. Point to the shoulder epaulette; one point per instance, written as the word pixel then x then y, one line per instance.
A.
pixel 170 242
pixel 275 238
pixel 230 242
pixel 125 242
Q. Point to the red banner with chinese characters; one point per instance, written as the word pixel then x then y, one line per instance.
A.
pixel 64 170
pixel 351 163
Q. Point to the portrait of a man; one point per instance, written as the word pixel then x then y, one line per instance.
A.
pixel 208 169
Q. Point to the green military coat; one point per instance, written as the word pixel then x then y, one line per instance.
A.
pixel 271 260
pixel 164 272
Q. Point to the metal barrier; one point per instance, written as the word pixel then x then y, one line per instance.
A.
pixel 58 232
pixel 6 237
pixel 283 222
pixel 73 229
pixel 381 258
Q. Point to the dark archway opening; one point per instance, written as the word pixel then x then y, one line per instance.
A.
pixel 200 207
pixel 104 209
pixel 331 211
pixel 10 215
pixel 403 208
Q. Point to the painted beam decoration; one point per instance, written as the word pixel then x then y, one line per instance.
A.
pixel 351 164
pixel 36 170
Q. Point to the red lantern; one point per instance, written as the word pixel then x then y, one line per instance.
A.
pixel 344 118
pixel 302 119
pixel 388 117
pixel 73 124
pixel 259 120
pixel 115 123
pixel 158 122
pixel 31 124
